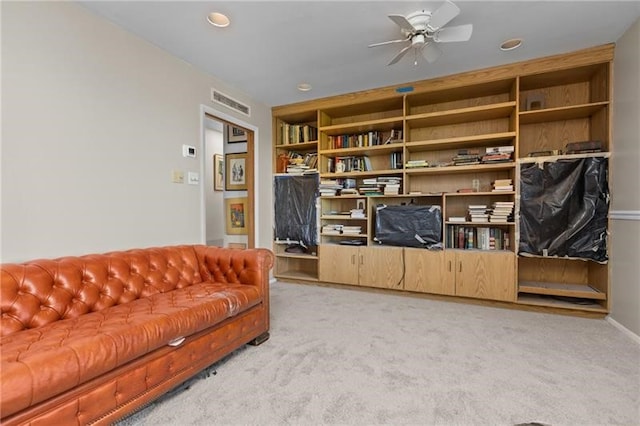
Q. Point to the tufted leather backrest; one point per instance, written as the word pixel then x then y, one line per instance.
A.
pixel 39 292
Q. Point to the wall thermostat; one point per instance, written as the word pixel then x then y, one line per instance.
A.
pixel 188 151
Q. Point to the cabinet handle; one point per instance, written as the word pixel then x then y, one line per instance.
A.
pixel 362 259
pixel 353 259
pixel 460 268
pixel 449 266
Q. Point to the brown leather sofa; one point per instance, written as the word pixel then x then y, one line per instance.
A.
pixel 90 339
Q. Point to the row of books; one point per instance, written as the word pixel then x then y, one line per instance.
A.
pixel 339 229
pixel 387 185
pixel 307 163
pixel 481 238
pixel 297 133
pixel 349 164
pixel 492 155
pixel 371 138
pixel 500 185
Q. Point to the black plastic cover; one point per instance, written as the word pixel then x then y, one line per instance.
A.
pixel 564 207
pixel 295 208
pixel 409 226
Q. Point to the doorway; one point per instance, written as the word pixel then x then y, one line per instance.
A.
pixel 228 208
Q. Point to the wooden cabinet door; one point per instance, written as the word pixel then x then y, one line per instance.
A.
pixel 338 264
pixel 429 271
pixel 381 267
pixel 486 275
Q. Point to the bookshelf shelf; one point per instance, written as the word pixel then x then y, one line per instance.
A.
pixel 297 256
pixel 561 289
pixel 551 302
pixel 341 217
pixel 365 150
pixel 462 115
pixel 363 126
pixel 561 113
pixel 460 169
pixel 388 172
pixel 302 146
pixel 462 141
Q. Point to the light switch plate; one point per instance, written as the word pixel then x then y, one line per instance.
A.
pixel 193 178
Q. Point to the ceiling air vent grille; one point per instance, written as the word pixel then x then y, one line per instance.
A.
pixel 229 102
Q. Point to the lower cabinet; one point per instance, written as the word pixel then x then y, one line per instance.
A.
pixel 365 266
pixel 477 274
pixel 429 271
pixel 484 275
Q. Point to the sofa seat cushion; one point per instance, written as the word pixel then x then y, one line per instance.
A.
pixel 43 362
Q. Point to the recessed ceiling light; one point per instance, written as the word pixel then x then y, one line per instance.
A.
pixel 218 20
pixel 304 87
pixel 511 44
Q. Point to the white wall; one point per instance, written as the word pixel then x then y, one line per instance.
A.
pixel 93 120
pixel 625 175
pixel 214 144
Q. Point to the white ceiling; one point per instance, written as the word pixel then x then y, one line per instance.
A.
pixel 271 46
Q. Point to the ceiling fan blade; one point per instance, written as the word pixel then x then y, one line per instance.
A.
pixel 459 33
pixel 400 55
pixel 388 42
pixel 431 52
pixel 443 15
pixel 402 22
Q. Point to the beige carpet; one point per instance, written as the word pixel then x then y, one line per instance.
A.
pixel 353 357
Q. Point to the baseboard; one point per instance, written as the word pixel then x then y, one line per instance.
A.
pixel 272 280
pixel 624 214
pixel 624 329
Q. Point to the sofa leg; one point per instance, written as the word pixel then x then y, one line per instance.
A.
pixel 260 339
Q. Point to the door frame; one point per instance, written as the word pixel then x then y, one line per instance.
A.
pixel 252 175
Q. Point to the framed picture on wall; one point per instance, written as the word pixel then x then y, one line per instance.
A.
pixel 218 172
pixel 236 134
pixel 235 212
pixel 236 172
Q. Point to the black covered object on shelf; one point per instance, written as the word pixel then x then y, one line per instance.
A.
pixel 409 226
pixel 564 206
pixel 295 208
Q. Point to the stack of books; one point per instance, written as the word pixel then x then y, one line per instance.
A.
pixel 329 187
pixel 466 157
pixel 502 212
pixel 457 219
pixel 391 184
pixel 351 230
pixel 412 164
pixel 478 213
pixel 502 185
pixel 498 154
pixel 583 147
pixel 332 229
pixel 358 214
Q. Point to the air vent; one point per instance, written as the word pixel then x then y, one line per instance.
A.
pixel 221 98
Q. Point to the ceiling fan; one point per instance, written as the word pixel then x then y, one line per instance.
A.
pixel 424 29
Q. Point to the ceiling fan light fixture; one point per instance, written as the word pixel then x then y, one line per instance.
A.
pixel 218 19
pixel 304 87
pixel 511 44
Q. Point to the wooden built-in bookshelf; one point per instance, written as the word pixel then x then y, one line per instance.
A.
pixel 438 119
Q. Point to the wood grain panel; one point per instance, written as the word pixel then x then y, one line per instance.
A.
pixel 552 270
pixel 428 272
pixel 458 130
pixel 381 267
pixel 559 96
pixel 552 135
pixel 338 264
pixel 485 275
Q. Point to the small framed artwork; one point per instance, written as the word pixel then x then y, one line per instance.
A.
pixel 236 134
pixel 218 172
pixel 236 213
pixel 236 172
